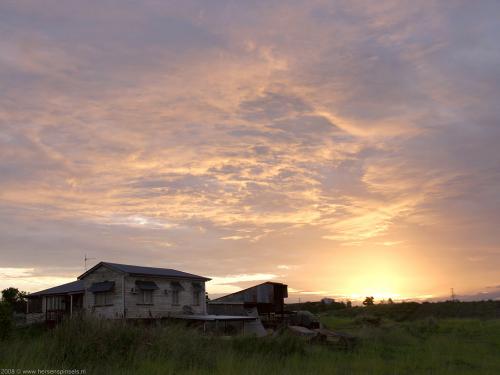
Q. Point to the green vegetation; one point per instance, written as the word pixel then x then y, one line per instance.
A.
pixel 6 321
pixel 12 301
pixel 369 301
pixel 407 310
pixel 413 310
pixel 425 346
pixel 15 298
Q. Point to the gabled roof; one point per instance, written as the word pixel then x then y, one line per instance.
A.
pixel 144 271
pixel 69 288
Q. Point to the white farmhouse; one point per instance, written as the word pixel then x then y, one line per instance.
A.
pixel 116 291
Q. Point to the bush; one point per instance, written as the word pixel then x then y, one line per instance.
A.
pixel 6 321
pixel 423 328
pixel 370 320
pixel 281 346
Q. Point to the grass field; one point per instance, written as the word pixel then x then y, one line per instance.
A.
pixel 427 346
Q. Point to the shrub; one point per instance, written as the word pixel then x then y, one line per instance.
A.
pixel 6 321
pixel 281 346
pixel 424 327
pixel 369 320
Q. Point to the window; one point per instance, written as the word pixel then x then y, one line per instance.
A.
pixel 196 298
pixel 102 298
pixel 146 297
pixel 102 292
pixel 175 297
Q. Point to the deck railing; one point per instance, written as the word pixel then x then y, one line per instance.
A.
pixel 54 315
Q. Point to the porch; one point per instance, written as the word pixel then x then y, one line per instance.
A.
pixel 55 304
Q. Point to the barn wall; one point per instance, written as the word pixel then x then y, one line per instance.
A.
pixel 269 297
pixel 162 298
pixel 263 293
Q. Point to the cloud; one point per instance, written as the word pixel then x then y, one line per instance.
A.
pixel 283 267
pixel 231 138
pixel 28 278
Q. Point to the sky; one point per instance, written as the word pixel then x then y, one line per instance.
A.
pixel 345 148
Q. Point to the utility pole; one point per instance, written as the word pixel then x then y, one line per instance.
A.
pixel 453 296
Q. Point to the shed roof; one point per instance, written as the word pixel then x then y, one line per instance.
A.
pixel 69 288
pixel 243 291
pixel 145 271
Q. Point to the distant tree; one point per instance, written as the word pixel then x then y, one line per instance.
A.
pixel 15 299
pixel 348 304
pixel 207 298
pixel 369 301
pixel 10 295
pixel 390 301
pixel 382 302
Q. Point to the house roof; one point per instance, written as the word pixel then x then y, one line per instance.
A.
pixel 145 271
pixel 69 288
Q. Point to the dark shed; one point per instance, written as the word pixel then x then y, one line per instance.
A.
pixel 268 297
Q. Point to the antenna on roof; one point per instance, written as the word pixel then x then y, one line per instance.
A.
pixel 85 261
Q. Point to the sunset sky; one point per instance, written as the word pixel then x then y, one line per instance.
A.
pixel 345 148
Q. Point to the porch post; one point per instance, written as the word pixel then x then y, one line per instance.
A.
pixel 124 311
pixel 71 305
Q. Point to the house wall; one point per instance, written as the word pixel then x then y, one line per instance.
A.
pixel 114 309
pixel 162 298
pixel 130 306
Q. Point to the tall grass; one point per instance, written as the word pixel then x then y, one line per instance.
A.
pixel 104 347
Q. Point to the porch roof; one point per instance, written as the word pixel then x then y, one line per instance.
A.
pixel 69 288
